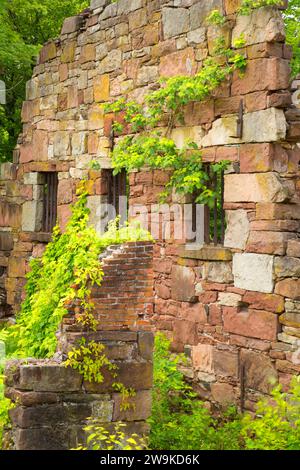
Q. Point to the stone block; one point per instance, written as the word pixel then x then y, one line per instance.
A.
pixel 202 358
pixel 218 271
pixel 145 344
pixel 229 299
pixel 271 302
pixel 71 24
pixel 101 88
pixel 183 284
pixel 34 178
pixel 184 332
pixel 140 408
pixel 293 248
pixel 197 36
pixel 251 323
pixel 260 374
pixel 137 19
pixel 206 253
pixel 268 211
pixel 137 375
pixel 178 63
pixel 111 62
pixel 256 158
pixel 237 229
pixel 287 267
pixel 200 10
pixel 175 21
pixel 253 272
pixel 223 393
pixel 267 125
pixel 288 288
pixel 262 25
pixel 6 241
pixel 62 144
pixel 272 243
pixel 270 74
pixel 47 53
pixel 79 143
pixel 258 187
pixel 65 192
pixel 32 215
pixel 68 52
pixel 225 363
pixel 49 378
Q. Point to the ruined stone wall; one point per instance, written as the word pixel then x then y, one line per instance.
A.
pixel 53 402
pixel 234 309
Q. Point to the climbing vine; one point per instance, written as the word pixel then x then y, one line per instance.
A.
pixel 65 273
pixel 149 141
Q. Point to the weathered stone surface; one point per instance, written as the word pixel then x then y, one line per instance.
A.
pixel 289 288
pixel 200 10
pixel 253 272
pixel 183 284
pixel 101 88
pixel 216 271
pixel 267 125
pixel 32 214
pixel 62 145
pixel 178 63
pixel 237 229
pixel 71 24
pixel 260 373
pixel 268 211
pixel 49 378
pixel 202 357
pixel 145 344
pixel 229 299
pixel 197 36
pixel 271 302
pixel 258 187
pixel 287 267
pixel 262 74
pixel 175 21
pixel 223 393
pixel 207 253
pixel 263 25
pixel 272 243
pixel 293 248
pixel 254 323
pixel 225 363
pixel 140 409
pixel 256 158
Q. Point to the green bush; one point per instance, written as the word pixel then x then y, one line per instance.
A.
pixel 276 424
pixel 179 421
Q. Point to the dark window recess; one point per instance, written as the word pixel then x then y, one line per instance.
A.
pixel 117 187
pixel 214 217
pixel 50 202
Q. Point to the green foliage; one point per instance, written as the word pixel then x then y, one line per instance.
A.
pixel 25 26
pixel 216 18
pixel 179 420
pixel 69 267
pixel 5 406
pixel 88 360
pixel 248 6
pixel 99 438
pixel 292 23
pixel 155 149
pixel 276 424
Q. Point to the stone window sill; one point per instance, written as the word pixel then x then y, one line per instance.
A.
pixel 205 252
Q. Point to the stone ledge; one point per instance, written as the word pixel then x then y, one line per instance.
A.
pixel 206 253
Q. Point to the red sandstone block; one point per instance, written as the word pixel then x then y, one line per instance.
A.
pixel 208 297
pixel 289 288
pixel 193 312
pixel 215 315
pixel 271 302
pixel 262 74
pixel 275 225
pixel 273 243
pixel 178 63
pixel 293 248
pixel 249 343
pixel 256 101
pixel 270 211
pixel 185 332
pixel 265 49
pixel 254 323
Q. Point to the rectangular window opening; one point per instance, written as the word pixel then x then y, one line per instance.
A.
pixel 118 189
pixel 49 201
pixel 214 216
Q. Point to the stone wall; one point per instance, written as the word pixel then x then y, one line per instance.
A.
pixel 53 402
pixel 234 309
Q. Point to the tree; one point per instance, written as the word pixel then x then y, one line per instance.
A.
pixel 24 26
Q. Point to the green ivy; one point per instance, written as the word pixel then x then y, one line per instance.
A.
pixel 149 145
pixel 67 270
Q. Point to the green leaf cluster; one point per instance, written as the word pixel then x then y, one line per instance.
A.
pixel 66 272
